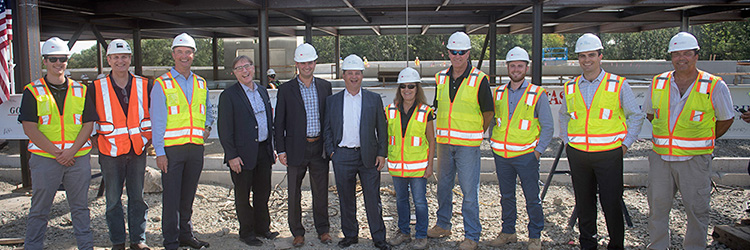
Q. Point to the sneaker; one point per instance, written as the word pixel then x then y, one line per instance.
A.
pixel 420 244
pixel 438 232
pixel 503 239
pixel 535 244
pixel 399 238
pixel 467 244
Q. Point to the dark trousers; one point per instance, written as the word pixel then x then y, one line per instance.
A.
pixel 185 163
pixel 347 164
pixel 254 219
pixel 603 171
pixel 318 167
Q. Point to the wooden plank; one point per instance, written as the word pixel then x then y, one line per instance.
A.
pixel 734 237
pixel 11 241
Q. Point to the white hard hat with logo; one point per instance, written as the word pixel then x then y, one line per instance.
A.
pixel 55 46
pixel 305 53
pixel 184 40
pixel 459 41
pixel 118 46
pixel 683 41
pixel 270 72
pixel 517 54
pixel 588 42
pixel 353 62
pixel 408 75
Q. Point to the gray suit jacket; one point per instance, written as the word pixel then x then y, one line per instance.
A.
pixel 373 130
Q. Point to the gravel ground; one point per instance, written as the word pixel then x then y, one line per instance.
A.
pixel 215 221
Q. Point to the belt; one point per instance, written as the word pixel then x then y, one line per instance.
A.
pixel 313 139
pixel 354 148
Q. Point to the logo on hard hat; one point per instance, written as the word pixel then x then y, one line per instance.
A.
pixel 119 46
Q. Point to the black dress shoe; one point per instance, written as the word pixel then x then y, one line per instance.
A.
pixel 252 241
pixel 346 242
pixel 194 243
pixel 270 235
pixel 382 245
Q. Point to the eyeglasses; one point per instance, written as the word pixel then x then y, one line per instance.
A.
pixel 246 67
pixel 458 52
pixel 272 76
pixel 410 86
pixel 55 59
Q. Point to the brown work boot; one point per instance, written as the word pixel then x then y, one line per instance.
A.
pixel 298 241
pixel 420 244
pixel 325 238
pixel 535 244
pixel 467 244
pixel 503 239
pixel 399 238
pixel 438 232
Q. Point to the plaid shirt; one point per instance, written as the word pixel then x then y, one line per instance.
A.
pixel 310 98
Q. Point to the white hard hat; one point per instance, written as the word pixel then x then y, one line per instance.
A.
pixel 184 40
pixel 683 41
pixel 305 53
pixel 270 72
pixel 459 41
pixel 118 46
pixel 408 75
pixel 55 46
pixel 588 42
pixel 517 54
pixel 353 62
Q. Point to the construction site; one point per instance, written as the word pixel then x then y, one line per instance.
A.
pixel 269 31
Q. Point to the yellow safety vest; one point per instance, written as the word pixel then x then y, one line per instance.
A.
pixel 518 136
pixel 185 121
pixel 602 126
pixel 118 132
pixel 407 155
pixel 695 129
pixel 459 122
pixel 61 130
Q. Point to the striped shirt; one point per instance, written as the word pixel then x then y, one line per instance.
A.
pixel 312 113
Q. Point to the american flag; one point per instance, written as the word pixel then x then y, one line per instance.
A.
pixel 6 50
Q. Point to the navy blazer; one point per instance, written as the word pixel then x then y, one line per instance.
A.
pixel 291 118
pixel 373 130
pixel 238 129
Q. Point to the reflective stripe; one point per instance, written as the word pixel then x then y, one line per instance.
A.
pixel 415 166
pixel 139 93
pixel 661 80
pixel 570 88
pixel 77 119
pixel 473 78
pixel 517 148
pixel 499 92
pixel 596 139
pixel 605 114
pixel 611 86
pixel 104 84
pixel 173 110
pixel 45 119
pixel 696 116
pixel 168 81
pixel 573 115
pixel 416 141
pixel 202 108
pixel 392 140
pixel 183 132
pixel 460 135
pixel 499 121
pixel 33 146
pixel 684 143
pixel 702 87
pixel 524 125
pixel 392 113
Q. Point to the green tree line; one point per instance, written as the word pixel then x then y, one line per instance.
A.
pixel 719 41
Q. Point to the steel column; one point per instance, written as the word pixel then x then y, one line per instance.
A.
pixel 536 43
pixel 337 54
pixel 215 55
pixel 308 32
pixel 684 21
pixel 263 43
pixel 493 48
pixel 137 52
pixel 29 65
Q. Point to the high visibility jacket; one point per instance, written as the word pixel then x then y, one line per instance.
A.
pixel 602 126
pixel 520 134
pixel 459 122
pixel 118 132
pixel 60 129
pixel 185 121
pixel 407 154
pixel 694 131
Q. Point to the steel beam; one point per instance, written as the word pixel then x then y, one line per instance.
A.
pixel 337 55
pixel 492 33
pixel 263 44
pixel 536 43
pixel 76 35
pixel 308 32
pixel 684 21
pixel 29 67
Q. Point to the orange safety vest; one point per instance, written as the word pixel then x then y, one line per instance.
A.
pixel 118 132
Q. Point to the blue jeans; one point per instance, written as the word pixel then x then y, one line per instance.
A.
pixel 526 167
pixel 130 169
pixel 418 191
pixel 465 161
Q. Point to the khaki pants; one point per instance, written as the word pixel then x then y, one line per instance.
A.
pixel 693 179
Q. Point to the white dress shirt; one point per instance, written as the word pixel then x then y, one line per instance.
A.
pixel 352 117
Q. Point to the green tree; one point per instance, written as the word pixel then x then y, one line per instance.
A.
pixel 156 52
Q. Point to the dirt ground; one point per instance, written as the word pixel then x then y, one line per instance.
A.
pixel 215 220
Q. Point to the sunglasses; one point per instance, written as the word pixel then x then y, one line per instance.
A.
pixel 55 59
pixel 272 76
pixel 410 86
pixel 458 52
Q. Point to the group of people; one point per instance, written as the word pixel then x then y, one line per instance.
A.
pixel 311 126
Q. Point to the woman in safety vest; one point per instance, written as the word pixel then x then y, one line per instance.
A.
pixel 411 143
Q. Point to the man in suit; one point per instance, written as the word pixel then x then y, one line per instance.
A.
pixel 299 114
pixel 355 139
pixel 245 132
